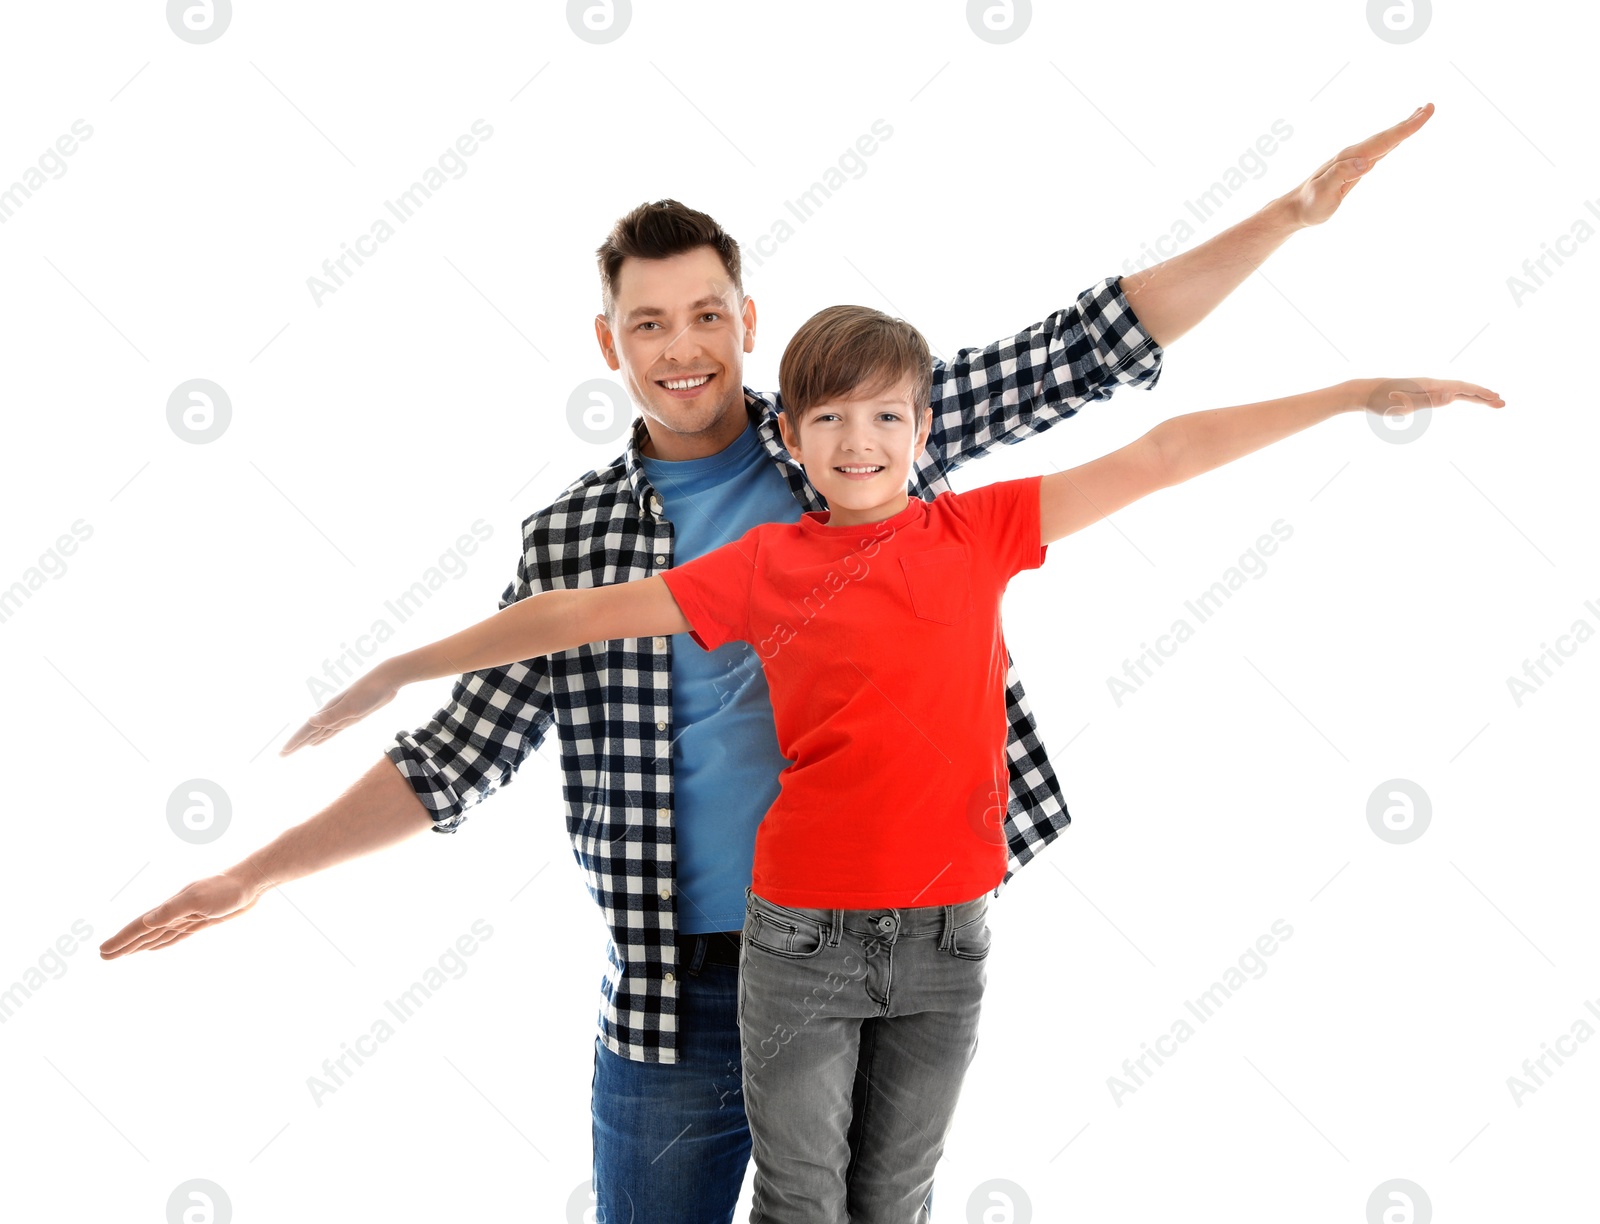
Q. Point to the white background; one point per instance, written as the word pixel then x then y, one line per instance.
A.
pixel 430 391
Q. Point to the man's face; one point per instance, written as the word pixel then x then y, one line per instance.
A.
pixel 680 321
pixel 859 451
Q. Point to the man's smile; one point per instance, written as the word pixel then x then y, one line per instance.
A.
pixel 685 386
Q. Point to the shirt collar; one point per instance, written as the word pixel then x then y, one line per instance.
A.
pixel 761 414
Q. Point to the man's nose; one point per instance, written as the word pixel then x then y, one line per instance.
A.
pixel 681 345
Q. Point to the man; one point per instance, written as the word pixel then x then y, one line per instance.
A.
pixel 669 755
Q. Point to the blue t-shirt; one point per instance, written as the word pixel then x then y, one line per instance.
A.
pixel 725 758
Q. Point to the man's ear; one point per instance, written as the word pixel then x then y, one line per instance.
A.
pixel 608 346
pixel 749 317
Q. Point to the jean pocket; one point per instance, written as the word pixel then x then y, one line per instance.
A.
pixel 939 583
pixel 971 942
pixel 792 938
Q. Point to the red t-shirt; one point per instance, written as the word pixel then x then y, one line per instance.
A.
pixel 883 652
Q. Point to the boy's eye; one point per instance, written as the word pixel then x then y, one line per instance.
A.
pixel 823 416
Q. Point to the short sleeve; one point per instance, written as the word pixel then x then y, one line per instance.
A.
pixel 713 591
pixel 1005 518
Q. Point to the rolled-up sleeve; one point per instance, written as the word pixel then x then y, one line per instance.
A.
pixel 1023 384
pixel 474 744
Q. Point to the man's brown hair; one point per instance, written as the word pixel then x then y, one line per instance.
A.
pixel 853 351
pixel 658 231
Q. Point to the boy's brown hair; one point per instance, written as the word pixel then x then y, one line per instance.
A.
pixel 849 352
pixel 658 231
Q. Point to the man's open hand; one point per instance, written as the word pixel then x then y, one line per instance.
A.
pixel 203 903
pixel 1316 199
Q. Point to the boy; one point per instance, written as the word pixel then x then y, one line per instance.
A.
pixel 878 627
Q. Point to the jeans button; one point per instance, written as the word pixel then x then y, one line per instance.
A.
pixel 887 924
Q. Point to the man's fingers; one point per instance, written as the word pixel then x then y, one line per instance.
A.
pixel 187 927
pixel 141 926
pixel 143 938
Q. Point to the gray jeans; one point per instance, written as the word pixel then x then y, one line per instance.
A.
pixel 856 1029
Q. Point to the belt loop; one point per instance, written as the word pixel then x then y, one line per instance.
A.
pixel 697 958
pixel 837 929
pixel 947 938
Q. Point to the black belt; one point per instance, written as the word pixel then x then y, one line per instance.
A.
pixel 722 948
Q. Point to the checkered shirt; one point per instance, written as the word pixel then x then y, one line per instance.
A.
pixel 612 701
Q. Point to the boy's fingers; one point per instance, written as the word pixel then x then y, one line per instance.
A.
pixel 307 729
pixel 1380 143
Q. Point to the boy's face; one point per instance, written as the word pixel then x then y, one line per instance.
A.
pixel 680 319
pixel 859 451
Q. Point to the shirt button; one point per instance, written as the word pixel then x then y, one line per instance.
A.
pixel 666 893
pixel 661 726
pixel 667 978
pixel 661 811
pixel 661 558
pixel 660 642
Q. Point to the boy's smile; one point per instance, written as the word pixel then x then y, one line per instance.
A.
pixel 859 452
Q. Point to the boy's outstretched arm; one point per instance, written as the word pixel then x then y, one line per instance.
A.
pixel 542 624
pixel 1174 295
pixel 1182 447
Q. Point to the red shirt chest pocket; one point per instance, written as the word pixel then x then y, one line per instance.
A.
pixel 939 584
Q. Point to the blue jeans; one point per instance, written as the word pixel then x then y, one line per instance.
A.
pixel 857 1028
pixel 670 1139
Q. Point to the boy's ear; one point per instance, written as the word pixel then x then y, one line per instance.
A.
pixel 923 430
pixel 791 440
pixel 608 347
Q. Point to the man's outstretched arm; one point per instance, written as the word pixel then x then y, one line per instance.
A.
pixel 1174 295
pixel 1113 335
pixel 377 811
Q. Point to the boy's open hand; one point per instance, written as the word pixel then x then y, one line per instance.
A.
pixel 1316 199
pixel 372 692
pixel 1398 396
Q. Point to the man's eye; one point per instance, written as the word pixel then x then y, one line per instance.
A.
pixel 642 326
pixel 711 315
